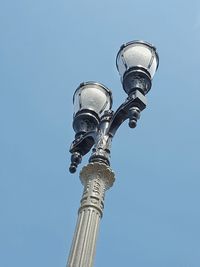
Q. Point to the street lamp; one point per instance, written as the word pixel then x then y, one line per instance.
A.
pixel 90 99
pixel 95 124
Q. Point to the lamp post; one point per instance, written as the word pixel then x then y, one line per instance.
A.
pixel 95 125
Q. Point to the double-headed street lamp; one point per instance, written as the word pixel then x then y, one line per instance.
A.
pixel 95 124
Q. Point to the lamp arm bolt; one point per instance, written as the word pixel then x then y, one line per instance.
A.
pixel 76 159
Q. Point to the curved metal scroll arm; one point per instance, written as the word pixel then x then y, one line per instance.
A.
pixel 130 109
pixel 110 122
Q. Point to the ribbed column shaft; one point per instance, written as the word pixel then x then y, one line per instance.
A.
pixel 96 178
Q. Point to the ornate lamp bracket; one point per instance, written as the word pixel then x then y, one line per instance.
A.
pixel 101 139
pixel 130 109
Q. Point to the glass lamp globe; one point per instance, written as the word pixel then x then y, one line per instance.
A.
pixel 90 100
pixel 137 59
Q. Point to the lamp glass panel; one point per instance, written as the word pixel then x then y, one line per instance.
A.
pixel 134 55
pixel 92 97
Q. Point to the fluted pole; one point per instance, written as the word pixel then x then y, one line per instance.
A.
pixel 96 179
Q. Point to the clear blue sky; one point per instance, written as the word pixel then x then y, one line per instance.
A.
pixel 151 215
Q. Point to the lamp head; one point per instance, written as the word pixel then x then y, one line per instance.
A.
pixel 90 100
pixel 137 62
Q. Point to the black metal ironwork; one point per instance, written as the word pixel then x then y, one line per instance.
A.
pixel 99 137
pixel 136 78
